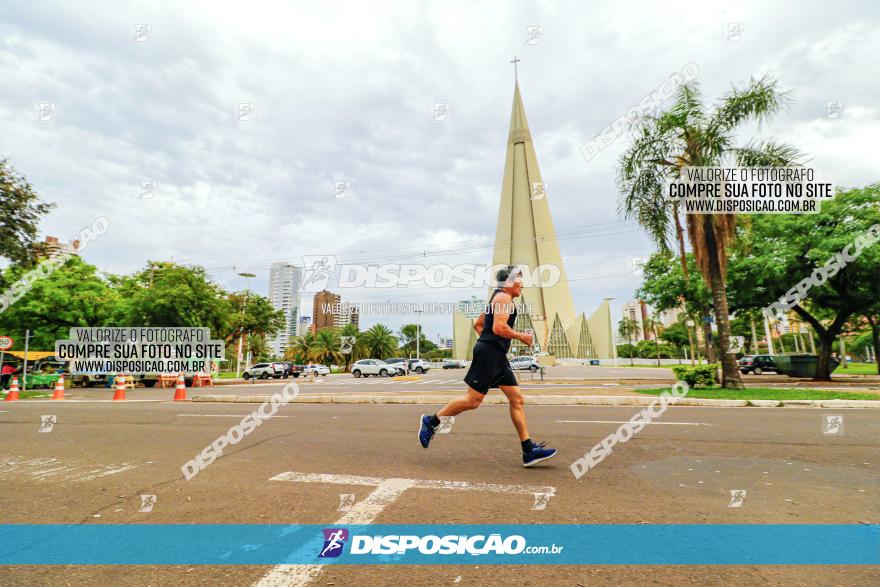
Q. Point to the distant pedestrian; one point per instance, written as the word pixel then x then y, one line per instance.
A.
pixel 5 375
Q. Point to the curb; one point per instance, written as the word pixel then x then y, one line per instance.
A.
pixel 545 400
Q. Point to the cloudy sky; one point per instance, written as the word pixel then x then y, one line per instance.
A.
pixel 344 92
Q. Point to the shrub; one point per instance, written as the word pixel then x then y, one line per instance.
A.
pixel 697 376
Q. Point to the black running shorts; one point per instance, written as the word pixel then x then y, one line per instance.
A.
pixel 489 368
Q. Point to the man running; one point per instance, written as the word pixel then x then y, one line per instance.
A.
pixel 490 368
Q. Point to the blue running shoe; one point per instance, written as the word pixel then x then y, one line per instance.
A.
pixel 538 454
pixel 426 431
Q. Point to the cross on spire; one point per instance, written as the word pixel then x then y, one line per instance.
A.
pixel 515 61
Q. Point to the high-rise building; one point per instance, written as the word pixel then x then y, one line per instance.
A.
pixel 305 324
pixel 633 310
pixel 325 306
pixel 525 237
pixel 52 246
pixel 346 315
pixel 472 307
pixel 285 280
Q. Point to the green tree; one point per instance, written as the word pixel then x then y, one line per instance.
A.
pixel 20 213
pixel 626 328
pixel 677 335
pixel 300 348
pixel 325 347
pixel 407 337
pixel 74 295
pixel 687 135
pixel 380 342
pixel 359 351
pixel 667 286
pixel 251 314
pixel 167 294
pixel 779 251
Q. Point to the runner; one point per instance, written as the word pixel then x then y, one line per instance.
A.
pixel 490 368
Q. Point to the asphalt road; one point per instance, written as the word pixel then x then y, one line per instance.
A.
pixel 100 457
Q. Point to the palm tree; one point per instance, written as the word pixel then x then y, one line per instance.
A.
pixel 626 327
pixel 380 342
pixel 300 348
pixel 686 135
pixel 359 351
pixel 325 348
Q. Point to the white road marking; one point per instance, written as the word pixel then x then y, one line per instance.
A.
pixel 365 512
pixel 627 421
pixel 36 469
pixel 221 416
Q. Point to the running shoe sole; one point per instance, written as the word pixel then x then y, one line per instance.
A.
pixel 541 460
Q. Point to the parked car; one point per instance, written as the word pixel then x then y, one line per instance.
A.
pixel 263 371
pixel 293 369
pixel 450 364
pixel 524 363
pixel 399 363
pixel 377 367
pixel 415 365
pixel 317 368
pixel 757 364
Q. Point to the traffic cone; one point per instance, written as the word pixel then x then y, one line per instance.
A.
pixel 13 390
pixel 120 388
pixel 180 392
pixel 59 388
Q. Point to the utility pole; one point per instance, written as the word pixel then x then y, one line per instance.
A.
pixel 241 334
pixel 769 338
pixel 27 338
pixel 418 331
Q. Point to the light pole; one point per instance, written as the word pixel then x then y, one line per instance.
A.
pixel 690 324
pixel 418 331
pixel 241 335
pixel 611 331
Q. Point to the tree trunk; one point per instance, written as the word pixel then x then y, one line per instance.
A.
pixel 823 368
pixel 707 334
pixel 875 338
pixel 826 338
pixel 730 377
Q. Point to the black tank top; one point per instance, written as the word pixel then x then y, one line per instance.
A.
pixel 487 335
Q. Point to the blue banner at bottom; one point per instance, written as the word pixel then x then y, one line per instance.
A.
pixel 266 544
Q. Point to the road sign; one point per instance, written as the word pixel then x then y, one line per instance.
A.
pixel 347 345
pixel 5 343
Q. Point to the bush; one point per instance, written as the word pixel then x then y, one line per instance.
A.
pixel 697 376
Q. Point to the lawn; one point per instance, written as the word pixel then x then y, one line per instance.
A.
pixel 766 393
pixel 857 369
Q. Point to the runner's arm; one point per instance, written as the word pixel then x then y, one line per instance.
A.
pixel 478 325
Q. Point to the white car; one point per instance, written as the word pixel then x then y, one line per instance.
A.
pixel 377 367
pixel 317 368
pixel 524 363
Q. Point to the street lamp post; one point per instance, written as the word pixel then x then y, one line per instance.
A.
pixel 418 331
pixel 611 331
pixel 690 324
pixel 241 335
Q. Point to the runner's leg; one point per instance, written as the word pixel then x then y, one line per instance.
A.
pixel 470 401
pixel 517 410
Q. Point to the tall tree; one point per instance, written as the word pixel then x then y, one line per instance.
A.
pixel 325 347
pixel 20 213
pixel 74 295
pixel 359 350
pixel 780 251
pixel 687 135
pixel 380 342
pixel 626 328
pixel 300 348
